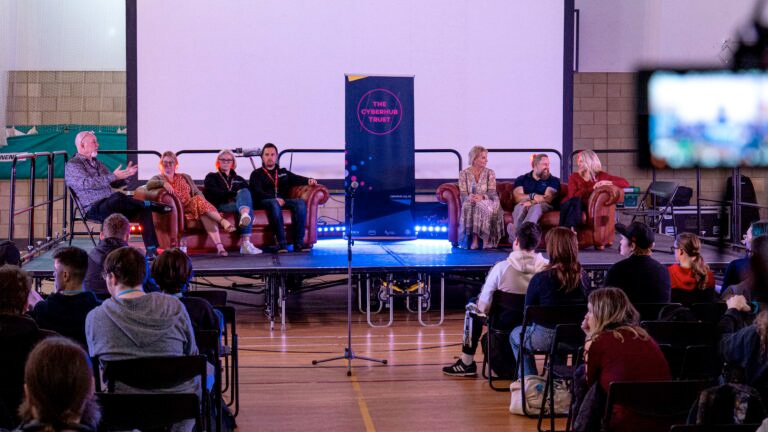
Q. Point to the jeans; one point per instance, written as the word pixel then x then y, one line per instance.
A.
pixel 243 199
pixel 570 212
pixel 132 209
pixel 537 338
pixel 298 210
pixel 532 213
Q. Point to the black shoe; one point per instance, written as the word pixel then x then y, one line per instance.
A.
pixel 461 370
pixel 282 249
pixel 301 248
pixel 158 207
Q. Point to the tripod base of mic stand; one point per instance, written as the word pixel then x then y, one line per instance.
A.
pixel 349 355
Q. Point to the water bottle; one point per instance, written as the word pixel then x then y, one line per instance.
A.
pixel 183 245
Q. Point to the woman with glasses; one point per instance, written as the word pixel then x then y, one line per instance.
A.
pixel 196 207
pixel 229 193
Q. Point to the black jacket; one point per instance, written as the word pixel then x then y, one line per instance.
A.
pixel 93 280
pixel 215 187
pixel 262 187
pixel 65 314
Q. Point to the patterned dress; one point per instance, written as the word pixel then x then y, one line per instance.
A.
pixel 194 205
pixel 483 219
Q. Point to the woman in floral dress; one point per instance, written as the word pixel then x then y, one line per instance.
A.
pixel 481 223
pixel 196 208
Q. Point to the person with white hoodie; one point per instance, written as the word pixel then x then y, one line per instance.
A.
pixel 511 275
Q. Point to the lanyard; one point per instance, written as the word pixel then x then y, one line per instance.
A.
pixel 275 180
pixel 229 184
pixel 120 294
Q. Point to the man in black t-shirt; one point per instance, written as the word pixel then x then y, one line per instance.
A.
pixel 641 277
pixel 534 194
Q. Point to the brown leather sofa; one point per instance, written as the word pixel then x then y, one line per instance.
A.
pixel 171 227
pixel 597 223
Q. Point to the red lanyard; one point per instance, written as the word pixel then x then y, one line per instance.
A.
pixel 275 180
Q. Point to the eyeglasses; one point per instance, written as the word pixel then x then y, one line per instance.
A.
pixel 168 163
pixel 226 160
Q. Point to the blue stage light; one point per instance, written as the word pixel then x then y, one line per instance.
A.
pixel 431 228
pixel 444 229
pixel 417 228
pixel 343 228
pixel 423 227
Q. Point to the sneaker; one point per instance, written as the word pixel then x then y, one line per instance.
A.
pixel 301 248
pixel 245 220
pixel 247 248
pixel 460 369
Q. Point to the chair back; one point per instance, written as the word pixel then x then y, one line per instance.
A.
pixel 650 311
pixel 551 316
pixel 569 339
pixel 663 189
pixel 709 312
pixel 681 333
pixel 208 344
pixel 146 411
pixel 667 402
pixel 506 308
pixel 154 373
pixel 216 298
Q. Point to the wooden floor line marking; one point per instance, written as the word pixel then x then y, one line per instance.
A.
pixel 367 420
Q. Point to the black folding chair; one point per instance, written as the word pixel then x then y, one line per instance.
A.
pixel 208 342
pixel 674 338
pixel 700 362
pixel 77 214
pixel 715 428
pixel 156 374
pixel 709 312
pixel 658 191
pixel 568 341
pixel 146 411
pixel 216 298
pixel 547 316
pixel 231 362
pixel 505 308
pixel 663 401
pixel 650 311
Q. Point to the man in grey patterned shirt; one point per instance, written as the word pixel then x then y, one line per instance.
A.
pixel 92 182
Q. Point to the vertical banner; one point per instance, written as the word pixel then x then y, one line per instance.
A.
pixel 380 156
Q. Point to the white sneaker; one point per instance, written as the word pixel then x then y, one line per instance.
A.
pixel 245 220
pixel 247 248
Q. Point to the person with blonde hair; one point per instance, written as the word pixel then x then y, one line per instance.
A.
pixel 481 222
pixel 588 177
pixel 617 349
pixel 196 207
pixel 229 193
pixel 691 279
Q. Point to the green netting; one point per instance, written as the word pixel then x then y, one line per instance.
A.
pixel 55 138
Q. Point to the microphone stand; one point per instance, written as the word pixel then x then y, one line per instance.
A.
pixel 349 354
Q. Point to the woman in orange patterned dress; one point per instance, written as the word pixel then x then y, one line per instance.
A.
pixel 195 205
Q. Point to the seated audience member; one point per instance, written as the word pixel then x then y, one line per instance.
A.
pixel 512 276
pixel 134 324
pixel 172 271
pixel 562 282
pixel 738 269
pixel 589 176
pixel 115 233
pixel 481 223
pixel 617 349
pixel 92 183
pixel 534 193
pixel 18 335
pixel 9 253
pixel 65 310
pixel 229 193
pixel 641 277
pixel 196 208
pixel 59 389
pixel 691 279
pixel 270 186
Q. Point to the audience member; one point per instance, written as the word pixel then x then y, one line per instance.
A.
pixel 194 204
pixel 534 193
pixel 691 279
pixel 9 253
pixel 65 310
pixel 738 269
pixel 18 335
pixel 229 193
pixel 481 222
pixel 270 186
pixel 512 276
pixel 641 277
pixel 589 176
pixel 562 282
pixel 59 389
pixel 617 349
pixel 93 184
pixel 115 233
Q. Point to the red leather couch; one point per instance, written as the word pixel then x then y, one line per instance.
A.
pixel 597 223
pixel 171 227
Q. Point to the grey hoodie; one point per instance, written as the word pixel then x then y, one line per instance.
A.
pixel 152 325
pixel 511 275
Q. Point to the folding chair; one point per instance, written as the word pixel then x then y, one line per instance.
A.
pixel 146 411
pixel 76 208
pixel 208 342
pixel 155 373
pixel 664 190
pixel 505 307
pixel 715 428
pixel 547 316
pixel 231 362
pixel 568 341
pixel 667 402
pixel 216 298
pixel 675 338
pixel 709 312
pixel 650 311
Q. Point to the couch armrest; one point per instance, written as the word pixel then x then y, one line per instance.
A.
pixel 448 193
pixel 314 196
pixel 601 214
pixel 167 226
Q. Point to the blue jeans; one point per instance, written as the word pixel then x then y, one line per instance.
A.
pixel 298 210
pixel 537 338
pixel 243 199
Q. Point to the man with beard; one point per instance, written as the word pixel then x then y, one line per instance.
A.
pixel 534 193
pixel 270 186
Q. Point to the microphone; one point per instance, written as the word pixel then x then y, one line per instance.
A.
pixel 248 152
pixel 353 188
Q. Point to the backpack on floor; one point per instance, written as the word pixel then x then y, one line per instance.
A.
pixel 502 361
pixel 727 404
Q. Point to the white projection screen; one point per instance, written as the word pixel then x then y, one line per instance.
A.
pixel 240 73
